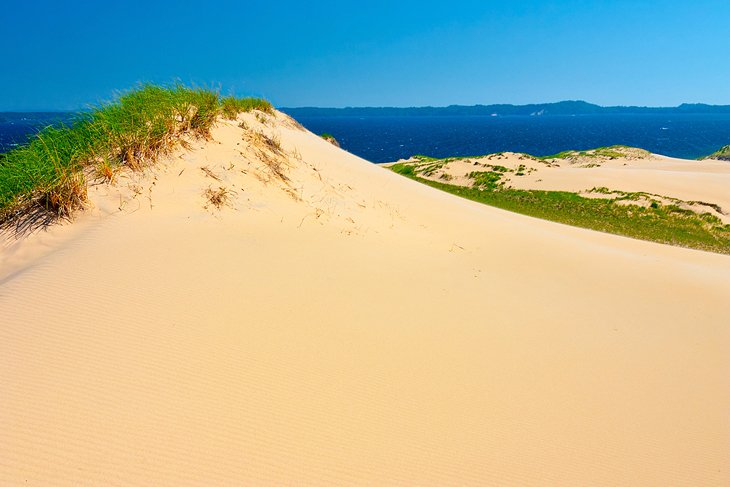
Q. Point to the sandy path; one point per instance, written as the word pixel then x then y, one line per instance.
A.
pixel 368 330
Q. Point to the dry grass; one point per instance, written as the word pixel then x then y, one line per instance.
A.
pixel 217 198
pixel 270 143
pixel 276 165
pixel 67 196
pixel 206 170
pixel 268 149
pixel 106 172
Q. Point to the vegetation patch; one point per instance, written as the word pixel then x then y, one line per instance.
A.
pixel 218 198
pixel 330 138
pixel 486 179
pixel 48 175
pixel 604 153
pixel 657 222
pixel 498 168
pixel 232 106
pixel 268 149
pixel 723 154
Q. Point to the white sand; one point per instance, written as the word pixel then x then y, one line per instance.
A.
pixel 352 327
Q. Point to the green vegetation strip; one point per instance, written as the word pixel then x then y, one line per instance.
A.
pixel 49 173
pixel 668 224
pixel 610 152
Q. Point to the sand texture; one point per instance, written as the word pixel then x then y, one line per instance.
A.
pixel 323 321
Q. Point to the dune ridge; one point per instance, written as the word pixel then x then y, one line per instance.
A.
pixel 333 323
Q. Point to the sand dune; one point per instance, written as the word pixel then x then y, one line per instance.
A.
pixel 335 323
pixel 703 183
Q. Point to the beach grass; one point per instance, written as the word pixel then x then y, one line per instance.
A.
pixel 232 106
pixel 658 222
pixel 330 138
pixel 50 172
pixel 609 152
pixel 723 154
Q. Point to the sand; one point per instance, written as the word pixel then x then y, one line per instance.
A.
pixel 703 183
pixel 335 323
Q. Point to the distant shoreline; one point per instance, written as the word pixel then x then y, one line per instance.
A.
pixel 389 138
pixel 539 109
pixel 382 136
pixel 566 107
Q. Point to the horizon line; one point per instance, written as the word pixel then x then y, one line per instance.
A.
pixel 509 104
pixel 282 107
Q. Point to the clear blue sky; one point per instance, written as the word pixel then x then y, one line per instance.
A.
pixel 63 55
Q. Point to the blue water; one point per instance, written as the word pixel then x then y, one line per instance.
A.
pixel 384 139
pixel 15 128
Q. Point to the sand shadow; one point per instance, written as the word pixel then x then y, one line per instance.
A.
pixel 24 221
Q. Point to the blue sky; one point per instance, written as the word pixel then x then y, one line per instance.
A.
pixel 64 55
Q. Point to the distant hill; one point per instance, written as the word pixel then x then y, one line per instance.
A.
pixel 560 108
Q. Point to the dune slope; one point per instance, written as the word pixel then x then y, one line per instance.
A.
pixel 334 323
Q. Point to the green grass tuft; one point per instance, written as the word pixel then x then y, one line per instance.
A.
pixel 485 179
pixel 231 106
pixel 330 138
pixel 49 173
pixel 610 152
pixel 723 154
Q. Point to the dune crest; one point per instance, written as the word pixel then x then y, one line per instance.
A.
pixel 265 308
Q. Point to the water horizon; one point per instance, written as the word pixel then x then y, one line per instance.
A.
pixel 389 138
